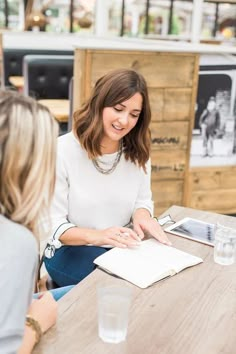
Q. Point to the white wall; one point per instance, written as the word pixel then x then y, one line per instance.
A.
pixel 38 40
pixel 69 41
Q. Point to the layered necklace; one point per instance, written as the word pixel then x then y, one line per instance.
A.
pixel 108 167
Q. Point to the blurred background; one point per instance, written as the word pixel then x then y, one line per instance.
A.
pixel 160 19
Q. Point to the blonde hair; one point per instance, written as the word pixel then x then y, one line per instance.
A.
pixel 27 159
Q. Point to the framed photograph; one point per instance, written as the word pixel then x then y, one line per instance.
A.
pixel 214 132
pixel 193 229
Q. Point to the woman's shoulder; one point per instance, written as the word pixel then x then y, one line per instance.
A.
pixel 68 142
pixel 14 234
pixel 69 149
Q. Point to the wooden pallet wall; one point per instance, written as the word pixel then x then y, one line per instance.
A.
pixel 212 188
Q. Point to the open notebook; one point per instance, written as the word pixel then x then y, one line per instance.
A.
pixel 146 264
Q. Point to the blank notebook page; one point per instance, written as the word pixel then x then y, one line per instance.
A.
pixel 147 263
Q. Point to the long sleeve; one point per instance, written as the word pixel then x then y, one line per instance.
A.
pixel 59 221
pixel 144 198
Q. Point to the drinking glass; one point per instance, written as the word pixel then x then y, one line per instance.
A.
pixel 113 313
pixel 225 245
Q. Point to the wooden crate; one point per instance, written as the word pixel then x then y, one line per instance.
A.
pixel 170 135
pixel 168 164
pixel 170 104
pixel 166 192
pixel 212 188
pixel 161 70
pixel 172 82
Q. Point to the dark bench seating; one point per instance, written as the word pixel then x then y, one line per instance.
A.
pixel 47 76
pixel 13 59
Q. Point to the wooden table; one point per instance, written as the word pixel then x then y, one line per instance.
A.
pixel 60 108
pixel 17 82
pixel 193 312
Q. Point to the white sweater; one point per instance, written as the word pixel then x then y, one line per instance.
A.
pixel 86 198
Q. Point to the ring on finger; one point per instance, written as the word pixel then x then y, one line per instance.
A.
pixel 125 234
pixel 118 235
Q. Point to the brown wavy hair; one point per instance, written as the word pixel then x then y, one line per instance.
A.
pixel 113 88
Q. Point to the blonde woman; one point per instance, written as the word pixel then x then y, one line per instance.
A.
pixel 27 159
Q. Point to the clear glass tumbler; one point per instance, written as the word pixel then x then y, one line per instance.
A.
pixel 225 245
pixel 113 313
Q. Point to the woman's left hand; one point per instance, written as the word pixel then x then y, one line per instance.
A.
pixel 143 222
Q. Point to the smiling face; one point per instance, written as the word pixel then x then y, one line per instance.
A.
pixel 119 120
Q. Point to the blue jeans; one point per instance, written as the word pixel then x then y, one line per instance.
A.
pixel 71 264
pixel 57 293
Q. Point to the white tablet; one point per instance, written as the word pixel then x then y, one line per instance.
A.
pixel 193 229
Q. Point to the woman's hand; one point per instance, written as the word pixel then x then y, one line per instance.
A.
pixel 143 222
pixel 44 310
pixel 116 236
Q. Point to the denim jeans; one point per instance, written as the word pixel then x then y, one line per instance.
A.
pixel 71 264
pixel 57 293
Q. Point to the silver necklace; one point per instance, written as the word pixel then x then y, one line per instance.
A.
pixel 107 171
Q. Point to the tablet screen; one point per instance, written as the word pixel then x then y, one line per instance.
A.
pixel 194 229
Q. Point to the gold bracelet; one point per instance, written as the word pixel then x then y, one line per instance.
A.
pixel 35 326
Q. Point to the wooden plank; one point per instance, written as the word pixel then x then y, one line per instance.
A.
pixel 156 97
pixel 169 135
pixel 59 108
pixel 222 200
pixel 17 81
pixel 204 179
pixel 167 193
pixel 159 210
pixel 164 67
pixel 191 125
pixel 87 83
pixel 213 188
pixel 79 78
pixel 177 104
pixel 170 104
pixel 169 164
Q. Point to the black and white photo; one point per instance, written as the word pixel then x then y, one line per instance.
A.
pixel 213 138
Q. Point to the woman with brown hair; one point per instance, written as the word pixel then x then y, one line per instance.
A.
pixel 103 178
pixel 27 174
